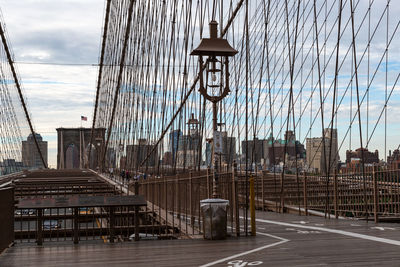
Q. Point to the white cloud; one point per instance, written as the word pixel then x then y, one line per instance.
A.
pixel 62 31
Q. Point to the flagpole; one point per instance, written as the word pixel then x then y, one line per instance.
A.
pixel 80 147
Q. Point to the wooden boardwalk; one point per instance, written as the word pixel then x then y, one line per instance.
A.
pixel 282 240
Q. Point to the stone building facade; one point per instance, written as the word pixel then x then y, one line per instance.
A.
pixel 315 147
pixel 73 147
pixel 369 157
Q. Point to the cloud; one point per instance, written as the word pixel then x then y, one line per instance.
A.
pixel 62 31
pixel 69 32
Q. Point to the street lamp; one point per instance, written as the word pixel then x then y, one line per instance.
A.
pixel 213 85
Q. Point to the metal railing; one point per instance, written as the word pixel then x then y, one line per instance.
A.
pixel 6 222
pixel 75 217
pixel 176 200
pixel 374 193
pixel 88 218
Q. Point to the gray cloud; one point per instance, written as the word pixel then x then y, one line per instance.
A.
pixel 64 46
pixel 61 31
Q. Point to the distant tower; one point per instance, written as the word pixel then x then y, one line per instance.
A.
pixel 73 148
pixel 333 151
pixel 174 137
pixel 314 152
pixel 192 153
pixel 30 154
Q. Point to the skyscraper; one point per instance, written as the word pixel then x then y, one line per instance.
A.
pixel 174 137
pixel 315 155
pixel 30 154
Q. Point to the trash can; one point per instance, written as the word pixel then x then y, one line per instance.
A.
pixel 214 212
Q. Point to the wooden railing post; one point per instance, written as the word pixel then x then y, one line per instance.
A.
pixel 376 196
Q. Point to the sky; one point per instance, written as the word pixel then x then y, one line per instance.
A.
pixel 56 46
pixel 66 34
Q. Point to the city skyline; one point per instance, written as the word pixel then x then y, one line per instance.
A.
pixel 70 67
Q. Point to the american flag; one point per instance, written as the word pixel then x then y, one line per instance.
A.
pixel 83 118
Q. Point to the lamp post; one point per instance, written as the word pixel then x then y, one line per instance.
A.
pixel 217 52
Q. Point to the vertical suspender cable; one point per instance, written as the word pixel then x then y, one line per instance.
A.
pixel 333 107
pixel 103 47
pixel 121 68
pixel 21 97
pixel 358 109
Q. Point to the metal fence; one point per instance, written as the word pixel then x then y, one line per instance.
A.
pixel 89 218
pixel 371 194
pixel 83 223
pixel 176 200
pixel 6 222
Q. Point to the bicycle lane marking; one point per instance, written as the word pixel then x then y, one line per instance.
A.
pixel 335 231
pixel 283 240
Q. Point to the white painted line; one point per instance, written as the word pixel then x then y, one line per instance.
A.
pixel 340 232
pixel 283 240
pixel 273 236
pixel 300 222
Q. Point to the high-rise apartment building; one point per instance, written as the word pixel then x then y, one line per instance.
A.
pixel 317 151
pixel 30 154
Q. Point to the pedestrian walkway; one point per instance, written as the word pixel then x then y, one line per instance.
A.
pixel 282 240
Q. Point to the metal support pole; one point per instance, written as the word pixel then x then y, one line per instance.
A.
pixel 215 193
pixel 136 213
pixel 112 224
pixel 40 227
pixel 252 207
pixel 235 198
pixel 262 189
pixel 208 182
pixel 76 226
pixel 336 195
pixel 305 193
pixel 376 197
pixel 191 200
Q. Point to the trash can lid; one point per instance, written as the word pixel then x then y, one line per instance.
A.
pixel 214 200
